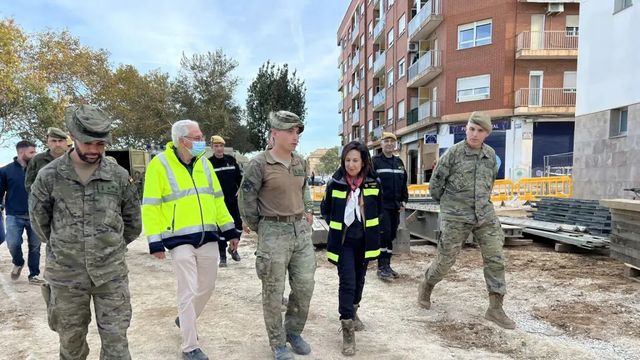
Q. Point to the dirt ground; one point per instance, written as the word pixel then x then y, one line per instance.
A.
pixel 566 306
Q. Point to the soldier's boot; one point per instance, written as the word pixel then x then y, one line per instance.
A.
pixel 348 338
pixel 298 345
pixel 383 272
pixel 357 323
pixel 282 353
pixel 496 314
pixel 424 294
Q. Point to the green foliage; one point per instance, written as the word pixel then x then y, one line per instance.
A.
pixel 273 89
pixel 329 162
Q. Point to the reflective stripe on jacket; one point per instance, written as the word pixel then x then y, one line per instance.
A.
pixel 180 208
pixel 333 206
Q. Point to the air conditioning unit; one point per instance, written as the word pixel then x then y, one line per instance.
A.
pixel 555 8
pixel 413 47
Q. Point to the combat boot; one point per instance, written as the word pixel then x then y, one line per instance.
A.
pixel 357 324
pixel 223 262
pixel 298 345
pixel 383 272
pixel 496 314
pixel 424 294
pixel 282 353
pixel 348 338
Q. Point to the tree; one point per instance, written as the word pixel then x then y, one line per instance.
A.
pixel 204 92
pixel 329 162
pixel 273 89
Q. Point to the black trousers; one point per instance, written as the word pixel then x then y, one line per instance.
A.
pixel 389 223
pixel 237 221
pixel 352 269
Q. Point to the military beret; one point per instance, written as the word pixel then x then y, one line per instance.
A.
pixel 481 119
pixel 285 120
pixel 54 132
pixel 217 139
pixel 388 135
pixel 88 123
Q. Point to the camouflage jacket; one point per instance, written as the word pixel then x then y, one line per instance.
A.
pixel 86 227
pixel 266 189
pixel 462 182
pixel 38 162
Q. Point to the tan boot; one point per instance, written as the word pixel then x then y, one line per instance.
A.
pixel 424 295
pixel 348 338
pixel 357 324
pixel 496 314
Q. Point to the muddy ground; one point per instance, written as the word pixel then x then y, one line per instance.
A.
pixel 566 306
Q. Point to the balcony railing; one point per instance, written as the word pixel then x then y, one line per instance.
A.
pixel 354 32
pixel 428 110
pixel 426 64
pixel 350 116
pixel 340 127
pixel 378 99
pixel 547 40
pixel 532 98
pixel 356 59
pixel 355 89
pixel 378 64
pixel 378 29
pixel 340 106
pixel 426 20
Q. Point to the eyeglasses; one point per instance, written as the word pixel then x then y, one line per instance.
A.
pixel 196 138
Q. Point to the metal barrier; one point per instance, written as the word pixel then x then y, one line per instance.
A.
pixel 502 190
pixel 317 192
pixel 418 190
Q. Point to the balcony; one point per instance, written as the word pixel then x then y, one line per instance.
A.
pixel 546 45
pixel 354 33
pixel 340 106
pixel 355 60
pixel 378 30
pixel 379 100
pixel 425 69
pixel 529 101
pixel 355 89
pixel 355 120
pixel 425 21
pixel 378 64
pixel 340 129
pixel 424 115
pixel 340 80
pixel 350 116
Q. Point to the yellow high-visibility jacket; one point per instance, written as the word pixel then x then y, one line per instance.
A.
pixel 183 204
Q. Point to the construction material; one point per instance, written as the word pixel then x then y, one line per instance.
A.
pixel 625 234
pixel 583 241
pixel 542 225
pixel 319 231
pixel 587 213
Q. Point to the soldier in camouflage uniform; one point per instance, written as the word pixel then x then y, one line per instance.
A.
pixel 462 182
pixel 86 210
pixel 275 202
pixel 57 144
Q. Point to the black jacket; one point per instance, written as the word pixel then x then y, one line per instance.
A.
pixel 393 177
pixel 12 184
pixel 332 209
pixel 230 177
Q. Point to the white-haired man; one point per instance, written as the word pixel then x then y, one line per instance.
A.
pixel 182 208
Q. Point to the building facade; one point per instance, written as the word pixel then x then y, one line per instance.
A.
pixel 607 143
pixel 419 68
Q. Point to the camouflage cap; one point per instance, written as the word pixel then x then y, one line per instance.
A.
pixel 54 132
pixel 88 123
pixel 217 139
pixel 388 135
pixel 285 120
pixel 481 119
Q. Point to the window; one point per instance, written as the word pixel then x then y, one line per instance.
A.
pixel 370 61
pixel 401 110
pixel 371 94
pixel 391 3
pixel 401 24
pixel 474 34
pixel 401 68
pixel 362 41
pixel 618 122
pixel 362 72
pixel 390 78
pixel 370 27
pixel 390 38
pixel 473 88
pixel 571 27
pixel 390 116
pixel 620 5
pixel 569 82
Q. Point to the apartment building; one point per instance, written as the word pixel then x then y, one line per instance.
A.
pixel 419 68
pixel 607 142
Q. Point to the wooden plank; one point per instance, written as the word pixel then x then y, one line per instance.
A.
pixel 517 242
pixel 580 240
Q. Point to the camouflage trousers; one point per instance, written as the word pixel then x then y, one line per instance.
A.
pixel 69 314
pixel 490 238
pixel 282 248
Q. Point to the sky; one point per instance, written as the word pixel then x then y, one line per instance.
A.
pixel 151 34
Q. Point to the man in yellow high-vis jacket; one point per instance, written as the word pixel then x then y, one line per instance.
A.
pixel 182 208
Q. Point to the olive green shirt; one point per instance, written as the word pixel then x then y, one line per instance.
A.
pixel 38 162
pixel 269 188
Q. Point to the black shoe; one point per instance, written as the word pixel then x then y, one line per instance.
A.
pixel 177 321
pixel 223 262
pixel 393 272
pixel 196 354
pixel 384 274
pixel 234 254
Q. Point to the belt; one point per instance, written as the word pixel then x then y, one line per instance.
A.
pixel 283 219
